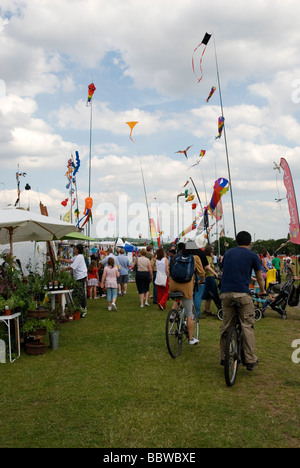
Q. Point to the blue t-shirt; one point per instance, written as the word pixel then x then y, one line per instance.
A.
pixel 237 265
pixel 124 262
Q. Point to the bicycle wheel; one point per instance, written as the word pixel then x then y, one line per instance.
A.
pixel 231 361
pixel 196 323
pixel 173 334
pixel 258 314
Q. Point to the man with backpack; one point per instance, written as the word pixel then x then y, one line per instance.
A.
pixel 183 280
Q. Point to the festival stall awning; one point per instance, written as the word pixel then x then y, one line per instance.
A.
pixel 18 225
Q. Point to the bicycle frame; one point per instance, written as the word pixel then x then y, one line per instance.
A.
pixel 177 328
pixel 234 348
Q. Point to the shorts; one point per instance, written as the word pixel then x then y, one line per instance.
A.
pixel 123 279
pixel 188 307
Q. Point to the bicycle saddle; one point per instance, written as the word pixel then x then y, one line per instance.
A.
pixel 175 295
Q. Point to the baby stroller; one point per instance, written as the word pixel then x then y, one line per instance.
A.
pixel 281 296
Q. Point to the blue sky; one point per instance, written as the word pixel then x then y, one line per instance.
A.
pixel 139 56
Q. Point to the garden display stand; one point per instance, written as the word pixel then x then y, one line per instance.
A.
pixel 7 319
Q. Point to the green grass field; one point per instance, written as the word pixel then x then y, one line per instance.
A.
pixel 112 384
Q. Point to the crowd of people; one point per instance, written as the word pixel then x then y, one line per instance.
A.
pixel 108 276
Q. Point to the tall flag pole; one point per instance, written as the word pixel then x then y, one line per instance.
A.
pixel 225 140
pixel 89 103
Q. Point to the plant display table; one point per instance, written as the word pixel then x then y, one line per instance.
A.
pixel 64 293
pixel 7 320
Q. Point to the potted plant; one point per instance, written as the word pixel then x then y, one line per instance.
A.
pixel 33 310
pixel 35 329
pixel 75 307
pixel 9 305
pixel 69 312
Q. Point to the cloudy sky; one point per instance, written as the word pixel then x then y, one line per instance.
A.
pixel 139 56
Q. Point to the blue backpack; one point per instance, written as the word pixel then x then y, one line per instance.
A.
pixel 183 268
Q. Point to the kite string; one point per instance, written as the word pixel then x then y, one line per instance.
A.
pixel 279 196
pixel 225 139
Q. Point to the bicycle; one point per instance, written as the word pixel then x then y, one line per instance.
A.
pixel 234 352
pixel 176 326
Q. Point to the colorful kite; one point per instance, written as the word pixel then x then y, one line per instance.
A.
pixel 131 125
pixel 87 211
pixel 204 44
pixel 187 182
pixel 77 166
pixel 220 126
pixel 153 232
pixel 202 153
pixel 213 89
pixel 65 202
pixel 292 202
pixel 184 151
pixel 18 174
pixel 91 90
pixel 220 188
pixel 69 173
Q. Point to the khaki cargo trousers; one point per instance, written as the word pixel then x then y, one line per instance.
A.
pixel 247 316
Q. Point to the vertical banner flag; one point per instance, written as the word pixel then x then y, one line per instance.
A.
pixel 292 203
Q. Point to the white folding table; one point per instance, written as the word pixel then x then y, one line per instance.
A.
pixel 64 293
pixel 7 319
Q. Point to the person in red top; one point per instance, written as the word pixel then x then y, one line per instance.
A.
pixel 93 279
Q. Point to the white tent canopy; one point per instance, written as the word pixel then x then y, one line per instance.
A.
pixel 18 225
pixel 120 243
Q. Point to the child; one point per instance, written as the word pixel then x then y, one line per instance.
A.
pixel 100 273
pixel 93 279
pixel 109 278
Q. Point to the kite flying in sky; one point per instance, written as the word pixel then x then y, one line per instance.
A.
pixel 91 90
pixel 87 211
pixel 202 153
pixel 220 188
pixel 220 126
pixel 131 125
pixel 185 151
pixel 213 89
pixel 204 43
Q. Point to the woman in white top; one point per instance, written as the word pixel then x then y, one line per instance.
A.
pixel 79 269
pixel 162 278
pixel 143 276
